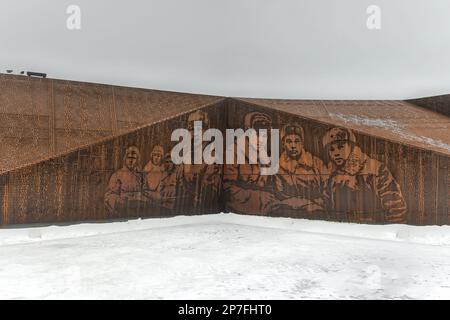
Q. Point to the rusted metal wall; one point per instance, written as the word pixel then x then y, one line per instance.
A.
pixel 76 151
pixel 369 180
pixel 378 181
pixel 393 120
pixel 440 104
pixel 45 117
pixel 128 176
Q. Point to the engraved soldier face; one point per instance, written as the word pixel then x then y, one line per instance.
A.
pixel 339 152
pixel 190 125
pixel 262 136
pixel 258 121
pixel 197 116
pixel 132 158
pixel 293 145
pixel 157 158
pixel 168 164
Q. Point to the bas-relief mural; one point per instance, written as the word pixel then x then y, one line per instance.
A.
pixel 349 186
pixel 161 184
pixel 325 172
pixel 358 184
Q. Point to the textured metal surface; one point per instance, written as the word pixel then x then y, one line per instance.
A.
pixel 106 180
pixel 440 104
pixel 40 118
pixel 77 151
pixel 379 181
pixel 397 121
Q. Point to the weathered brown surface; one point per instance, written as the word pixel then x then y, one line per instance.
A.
pixel 40 118
pixel 397 121
pixel 101 182
pixel 380 181
pixel 439 104
pixel 77 151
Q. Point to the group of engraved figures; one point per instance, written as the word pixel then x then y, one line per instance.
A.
pixel 162 184
pixel 352 186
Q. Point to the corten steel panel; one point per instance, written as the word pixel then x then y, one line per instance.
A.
pixel 369 180
pixel 397 121
pixel 137 107
pixel 443 190
pixel 77 151
pixel 24 120
pixel 127 176
pixel 82 114
pixel 41 118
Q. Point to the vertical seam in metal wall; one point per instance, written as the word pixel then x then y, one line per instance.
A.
pixel 113 112
pixel 52 126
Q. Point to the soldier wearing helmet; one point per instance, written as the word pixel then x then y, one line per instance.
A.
pixel 154 168
pixel 246 190
pixel 360 188
pixel 339 143
pixel 301 179
pixel 198 181
pixel 198 115
pixel 125 187
pixel 169 184
pixel 156 158
pixel 257 120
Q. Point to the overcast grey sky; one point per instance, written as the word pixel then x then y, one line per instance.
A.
pixel 254 48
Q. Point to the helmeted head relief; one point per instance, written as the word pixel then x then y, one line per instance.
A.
pixel 339 144
pixel 157 154
pixel 132 158
pixel 198 116
pixel 292 129
pixel 257 120
pixel 292 137
pixel 158 150
pixel 338 135
pixel 167 162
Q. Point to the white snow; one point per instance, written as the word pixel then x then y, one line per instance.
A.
pixel 225 256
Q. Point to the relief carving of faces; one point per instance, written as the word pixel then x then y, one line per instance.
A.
pixel 157 158
pixel 293 145
pixel 258 121
pixel 339 152
pixel 169 166
pixel 197 116
pixel 132 158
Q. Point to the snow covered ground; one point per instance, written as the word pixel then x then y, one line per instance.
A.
pixel 225 256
